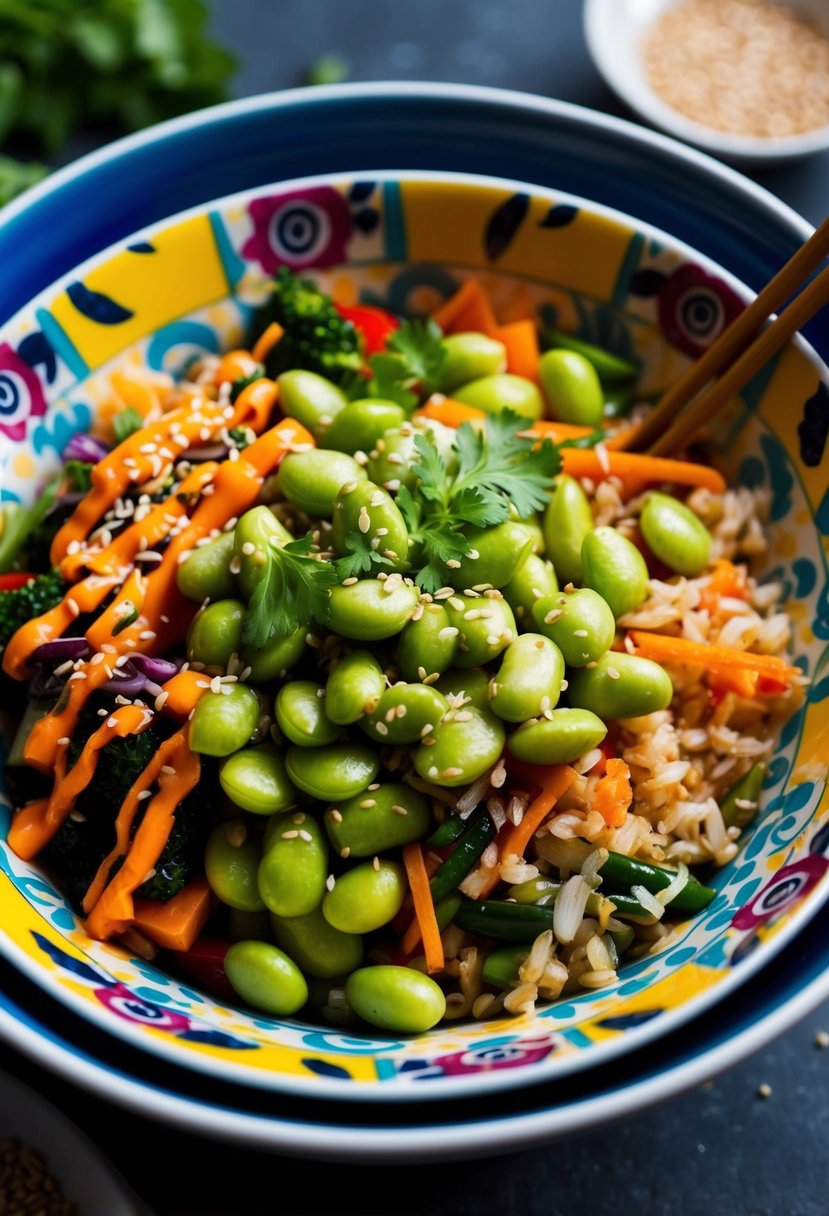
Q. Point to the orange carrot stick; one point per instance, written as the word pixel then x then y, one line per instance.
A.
pixel 468 310
pixel 176 924
pixel 521 340
pixel 664 649
pixel 423 906
pixel 267 340
pixel 184 691
pixel 235 365
pixel 453 413
pixel 613 793
pixel 635 471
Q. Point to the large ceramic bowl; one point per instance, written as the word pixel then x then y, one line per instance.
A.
pixel 406 240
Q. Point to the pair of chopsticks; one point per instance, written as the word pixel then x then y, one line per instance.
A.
pixel 745 346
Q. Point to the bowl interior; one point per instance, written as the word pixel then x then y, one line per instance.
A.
pixel 187 286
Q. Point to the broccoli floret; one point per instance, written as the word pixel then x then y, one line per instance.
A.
pixel 31 600
pixel 119 764
pixel 316 337
pixel 182 853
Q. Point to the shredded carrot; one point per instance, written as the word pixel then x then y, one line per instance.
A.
pixel 184 691
pixel 176 924
pixel 453 413
pixel 613 793
pixel 267 341
pixel 512 839
pixel 713 658
pixel 468 310
pixel 727 580
pixel 740 681
pixel 635 471
pixel 114 911
pixel 521 340
pixel 423 906
pixel 235 365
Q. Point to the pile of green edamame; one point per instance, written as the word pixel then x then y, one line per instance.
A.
pixel 316 728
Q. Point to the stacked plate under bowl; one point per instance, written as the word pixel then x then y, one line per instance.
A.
pixel 153 249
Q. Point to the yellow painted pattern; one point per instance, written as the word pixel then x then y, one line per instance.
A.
pixel 793 382
pixel 448 225
pixel 184 273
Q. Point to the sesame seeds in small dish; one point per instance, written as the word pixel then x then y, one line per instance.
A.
pixel 747 80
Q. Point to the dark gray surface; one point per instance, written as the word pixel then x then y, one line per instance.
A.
pixel 721 1149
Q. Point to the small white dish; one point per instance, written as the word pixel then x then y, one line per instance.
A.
pixel 614 30
pixel 84 1175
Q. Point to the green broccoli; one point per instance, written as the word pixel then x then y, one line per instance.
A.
pixel 182 854
pixel 316 337
pixel 31 600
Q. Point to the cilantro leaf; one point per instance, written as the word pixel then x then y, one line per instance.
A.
pixel 78 475
pixel 292 591
pixel 359 559
pixel 420 347
pixel 126 423
pixel 497 468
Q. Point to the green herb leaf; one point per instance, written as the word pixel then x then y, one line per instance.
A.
pixel 78 475
pixel 497 468
pixel 19 523
pixel 360 558
pixel 293 591
pixel 126 423
pixel 420 346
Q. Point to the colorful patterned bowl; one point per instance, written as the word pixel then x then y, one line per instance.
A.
pixel 407 240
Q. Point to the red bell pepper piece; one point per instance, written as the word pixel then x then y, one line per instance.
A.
pixel 374 324
pixel 11 582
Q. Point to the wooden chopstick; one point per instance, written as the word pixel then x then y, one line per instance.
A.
pixel 730 343
pixel 768 344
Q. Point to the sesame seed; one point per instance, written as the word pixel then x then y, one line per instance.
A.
pixel 381 728
pixel 376 863
pixel 463 715
pixel 367 803
pixel 237 835
pixel 349 582
pixel 144 794
pixel 398 810
pixel 235 564
pixel 580 633
pixel 553 616
pixel 216 684
pixel 330 882
pixel 364 520
pixel 456 603
pixel 64 667
pixel 168 769
pixel 248 548
pixel 291 835
pixel 63 741
pixel 160 702
pixel 448 631
pixel 453 563
pixel 613 673
pixel 432 678
pixel 432 772
pixel 421 673
pixel 147 635
pixel 306 836
pixel 336 816
pixel 73 607
pixel 452 772
pixel 345 853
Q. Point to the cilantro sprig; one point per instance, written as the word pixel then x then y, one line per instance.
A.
pixel 497 467
pixel 293 590
pixel 408 370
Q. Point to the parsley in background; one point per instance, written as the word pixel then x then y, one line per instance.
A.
pixel 123 64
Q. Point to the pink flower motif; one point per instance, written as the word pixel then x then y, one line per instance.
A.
pixel 118 999
pixel 300 229
pixel 694 309
pixel 788 886
pixel 495 1057
pixel 21 394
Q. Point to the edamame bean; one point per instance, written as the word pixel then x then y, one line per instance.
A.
pixel 256 780
pixel 215 634
pixel 256 529
pixel 361 424
pixel 472 685
pixel 466 743
pixel 404 712
pixel 528 682
pixel 224 721
pixel 363 509
pixel 366 897
pixel 311 399
pixel 354 688
pixel 300 714
pixel 572 387
pixel 276 657
pixel 532 526
pixel 493 556
pixel 471 356
pixel 311 480
pixel 398 999
pixel 427 644
pixel 377 820
pixel 206 572
pixel 503 392
pixel 534 579
pixel 559 739
pixel 614 567
pixel 485 628
pixel 231 860
pixel 612 369
pixel 340 770
pixel 567 520
pixel 579 622
pixel 294 865
pixel 372 608
pixel 621 686
pixel 322 951
pixel 675 535
pixel 264 977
